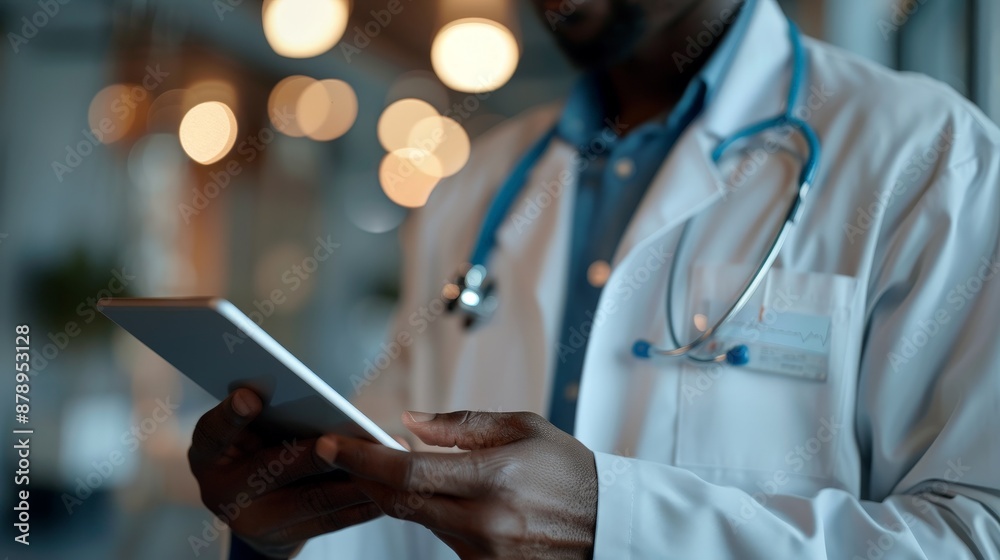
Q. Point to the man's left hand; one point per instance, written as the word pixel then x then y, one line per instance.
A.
pixel 524 490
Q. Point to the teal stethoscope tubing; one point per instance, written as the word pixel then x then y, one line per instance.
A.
pixel 468 295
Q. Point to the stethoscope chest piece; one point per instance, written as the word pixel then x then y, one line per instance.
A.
pixel 471 294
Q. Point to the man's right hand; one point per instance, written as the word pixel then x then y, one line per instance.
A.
pixel 270 495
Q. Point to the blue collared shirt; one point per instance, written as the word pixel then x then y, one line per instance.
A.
pixel 616 167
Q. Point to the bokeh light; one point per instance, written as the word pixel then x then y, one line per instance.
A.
pixel 282 104
pixel 474 55
pixel 399 119
pixel 445 139
pixel 327 109
pixel 404 179
pixel 208 132
pixel 112 112
pixel 304 28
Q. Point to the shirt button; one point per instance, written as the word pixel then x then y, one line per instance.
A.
pixel 624 168
pixel 572 391
pixel 598 273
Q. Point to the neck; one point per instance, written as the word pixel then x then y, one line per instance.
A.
pixel 653 79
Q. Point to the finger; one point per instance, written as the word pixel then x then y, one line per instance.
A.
pixel 301 502
pixel 327 523
pixel 432 511
pixel 289 462
pixel 424 473
pixel 218 428
pixel 473 430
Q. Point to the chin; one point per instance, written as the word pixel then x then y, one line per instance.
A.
pixel 602 41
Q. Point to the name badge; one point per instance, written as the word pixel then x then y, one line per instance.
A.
pixel 784 343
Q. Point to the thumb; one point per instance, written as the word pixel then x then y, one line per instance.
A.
pixel 472 430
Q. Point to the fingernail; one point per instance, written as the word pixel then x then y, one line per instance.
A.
pixel 419 417
pixel 326 449
pixel 241 404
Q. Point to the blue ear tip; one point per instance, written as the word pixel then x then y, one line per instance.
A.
pixel 642 349
pixel 738 355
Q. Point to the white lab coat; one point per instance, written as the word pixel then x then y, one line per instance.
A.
pixel 894 455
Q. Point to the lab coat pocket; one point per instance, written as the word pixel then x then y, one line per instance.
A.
pixel 778 420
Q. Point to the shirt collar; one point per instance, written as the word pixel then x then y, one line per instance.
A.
pixel 583 117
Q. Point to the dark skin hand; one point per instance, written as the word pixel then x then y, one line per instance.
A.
pixel 525 489
pixel 269 493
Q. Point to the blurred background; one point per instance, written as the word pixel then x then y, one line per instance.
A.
pixel 217 147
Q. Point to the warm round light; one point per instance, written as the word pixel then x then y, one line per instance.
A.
pixel 445 139
pixel 109 115
pixel 474 55
pixel 282 104
pixel 327 109
pixel 398 120
pixel 403 177
pixel 304 28
pixel 208 132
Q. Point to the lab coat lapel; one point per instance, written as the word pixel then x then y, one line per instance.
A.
pixel 753 89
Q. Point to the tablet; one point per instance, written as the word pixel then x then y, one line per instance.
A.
pixel 218 347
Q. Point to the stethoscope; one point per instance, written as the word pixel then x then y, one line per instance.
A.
pixel 472 292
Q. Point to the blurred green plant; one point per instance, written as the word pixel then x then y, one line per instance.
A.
pixel 68 290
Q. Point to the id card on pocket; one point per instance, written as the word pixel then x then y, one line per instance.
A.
pixel 785 343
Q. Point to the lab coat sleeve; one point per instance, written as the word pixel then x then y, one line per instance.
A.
pixel 926 420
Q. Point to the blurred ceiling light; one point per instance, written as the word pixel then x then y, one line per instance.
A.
pixel 327 109
pixel 403 179
pixel 112 112
pixel 208 132
pixel 304 28
pixel 399 119
pixel 422 85
pixel 474 55
pixel 445 139
pixel 283 104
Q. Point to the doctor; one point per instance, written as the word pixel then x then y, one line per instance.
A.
pixel 853 413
